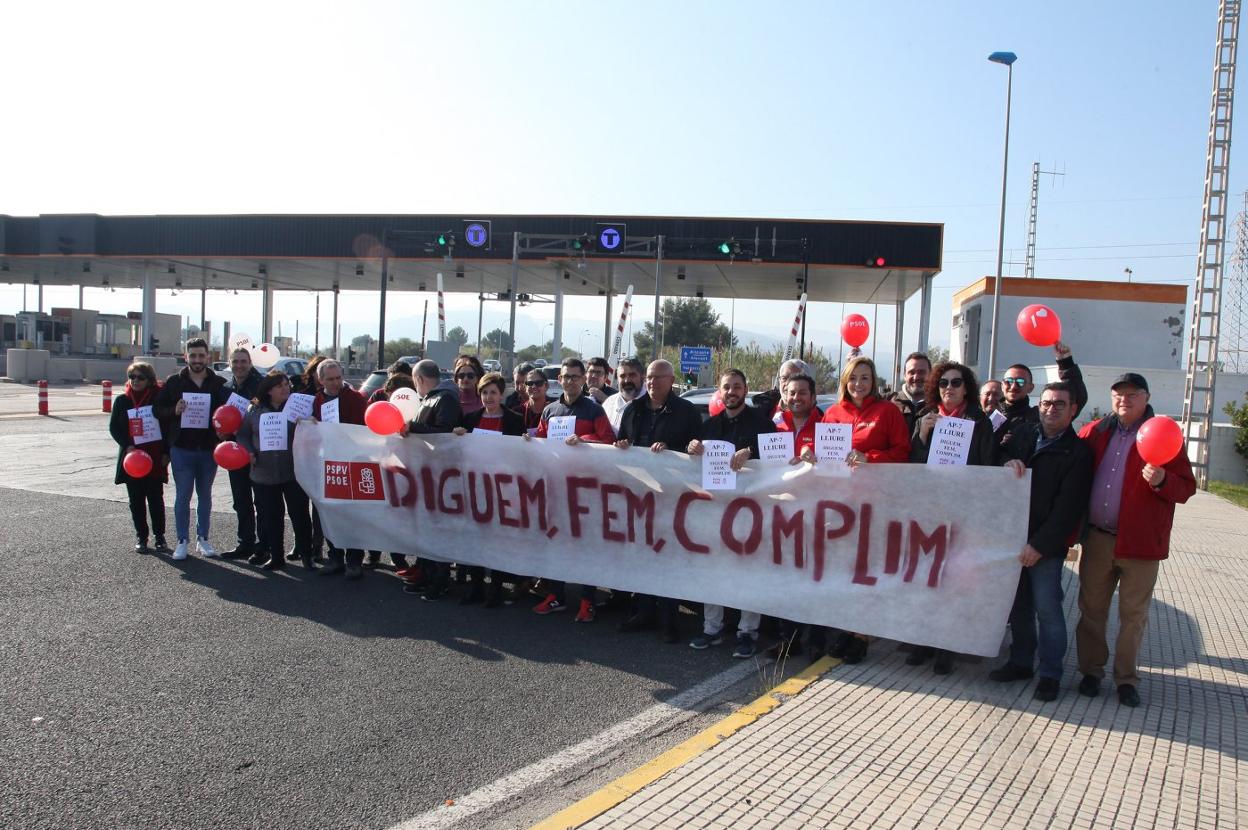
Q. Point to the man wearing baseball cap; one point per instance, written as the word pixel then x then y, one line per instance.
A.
pixel 1130 515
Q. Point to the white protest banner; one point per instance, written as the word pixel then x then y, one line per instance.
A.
pixel 895 550
pixel 997 419
pixel 950 442
pixel 144 426
pixel 239 402
pixel 832 445
pixel 329 411
pixel 273 431
pixel 198 410
pixel 560 427
pixel 717 474
pixel 299 405
pixel 775 446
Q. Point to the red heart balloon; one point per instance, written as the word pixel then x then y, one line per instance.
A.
pixel 227 419
pixel 137 463
pixel 1039 325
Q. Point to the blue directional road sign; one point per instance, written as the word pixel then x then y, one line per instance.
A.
pixel 694 358
pixel 611 237
pixel 477 233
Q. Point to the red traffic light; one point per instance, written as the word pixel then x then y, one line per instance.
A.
pixel 876 262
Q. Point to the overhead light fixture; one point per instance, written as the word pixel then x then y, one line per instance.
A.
pixel 420 287
pixel 104 281
pixel 567 275
pixel 680 273
pixel 178 282
pixel 171 269
pixel 4 266
pixel 359 270
pixel 255 284
pixel 264 269
pixel 699 293
pixel 86 268
pixel 459 273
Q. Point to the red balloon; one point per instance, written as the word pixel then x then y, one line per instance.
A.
pixel 1159 440
pixel 227 419
pixel 1039 325
pixel 383 418
pixel 231 456
pixel 716 405
pixel 855 330
pixel 137 463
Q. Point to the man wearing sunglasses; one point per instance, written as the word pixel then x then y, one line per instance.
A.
pixel 517 399
pixel 1017 387
pixel 1129 521
pixel 1061 479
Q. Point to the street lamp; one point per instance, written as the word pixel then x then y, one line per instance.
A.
pixel 580 344
pixel 1006 58
pixel 542 342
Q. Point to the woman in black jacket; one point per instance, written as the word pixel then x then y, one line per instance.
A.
pixel 952 392
pixel 147 494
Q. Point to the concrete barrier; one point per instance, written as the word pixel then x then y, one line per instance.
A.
pixel 64 369
pixel 164 366
pixel 98 370
pixel 1224 463
pixel 27 365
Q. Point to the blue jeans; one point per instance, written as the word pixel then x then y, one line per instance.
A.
pixel 192 469
pixel 1039 599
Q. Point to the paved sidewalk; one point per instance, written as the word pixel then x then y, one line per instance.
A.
pixel 883 744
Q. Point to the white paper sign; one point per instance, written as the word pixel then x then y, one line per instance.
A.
pixel 950 442
pixel 239 402
pixel 832 445
pixel 198 410
pixel 329 412
pixel 273 431
pixel 717 474
pixel 775 446
pixel 486 433
pixel 299 405
pixel 560 427
pixel 793 542
pixel 147 425
pixel 997 419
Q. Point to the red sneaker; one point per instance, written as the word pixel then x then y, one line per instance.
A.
pixel 549 605
pixel 414 574
pixel 586 612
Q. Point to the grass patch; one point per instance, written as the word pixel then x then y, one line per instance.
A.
pixel 1235 493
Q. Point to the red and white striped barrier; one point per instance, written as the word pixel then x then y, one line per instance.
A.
pixel 43 397
pixel 107 387
pixel 441 310
pixel 617 344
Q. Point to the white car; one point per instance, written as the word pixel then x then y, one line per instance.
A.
pixel 491 365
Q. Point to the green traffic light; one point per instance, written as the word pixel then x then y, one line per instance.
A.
pixel 576 243
pixel 441 239
pixel 724 248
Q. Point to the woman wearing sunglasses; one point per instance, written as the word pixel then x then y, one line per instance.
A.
pixel 951 392
pixel 132 412
pixel 467 372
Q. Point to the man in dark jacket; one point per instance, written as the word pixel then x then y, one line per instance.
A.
pixel 740 425
pixel 1017 387
pixel 1129 521
pixel 516 400
pixel 1061 479
pixel 190 448
pixel 244 381
pixel 351 407
pixel 660 420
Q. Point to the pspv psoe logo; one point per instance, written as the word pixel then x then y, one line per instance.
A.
pixel 353 481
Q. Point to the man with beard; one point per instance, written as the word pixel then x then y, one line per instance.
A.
pixel 597 371
pixel 1017 385
pixel 740 425
pixel 629 378
pixel 910 398
pixel 244 381
pixel 191 447
pixel 772 401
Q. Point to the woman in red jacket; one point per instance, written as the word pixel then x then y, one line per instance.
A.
pixel 879 437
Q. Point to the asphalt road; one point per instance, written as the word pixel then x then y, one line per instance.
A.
pixel 139 692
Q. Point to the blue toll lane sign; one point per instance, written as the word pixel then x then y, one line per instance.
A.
pixel 477 233
pixel 611 237
pixel 694 358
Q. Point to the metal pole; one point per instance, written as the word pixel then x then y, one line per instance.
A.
pixel 606 322
pixel 658 287
pixel 336 331
pixel 996 287
pixel 480 312
pixel 556 332
pixel 385 277
pixel 515 288
pixel 806 291
pixel 316 336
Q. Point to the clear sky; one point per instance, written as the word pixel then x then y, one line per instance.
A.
pixel 829 110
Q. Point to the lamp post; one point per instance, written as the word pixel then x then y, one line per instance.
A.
pixel 542 342
pixel 1007 59
pixel 580 344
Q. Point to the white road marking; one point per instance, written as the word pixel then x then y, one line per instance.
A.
pixel 682 706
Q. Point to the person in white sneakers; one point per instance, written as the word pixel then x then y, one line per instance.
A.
pixel 190 444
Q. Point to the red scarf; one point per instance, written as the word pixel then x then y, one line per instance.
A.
pixel 141 399
pixel 958 411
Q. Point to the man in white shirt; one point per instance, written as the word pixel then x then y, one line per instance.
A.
pixel 628 375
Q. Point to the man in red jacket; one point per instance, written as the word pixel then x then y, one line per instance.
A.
pixel 1129 520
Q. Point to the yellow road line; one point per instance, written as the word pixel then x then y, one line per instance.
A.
pixel 597 803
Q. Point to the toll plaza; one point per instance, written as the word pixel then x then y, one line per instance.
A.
pixel 510 258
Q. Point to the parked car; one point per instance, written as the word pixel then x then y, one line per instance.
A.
pixel 375 380
pixel 292 367
pixel 491 365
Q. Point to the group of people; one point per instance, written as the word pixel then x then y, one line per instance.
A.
pixel 1091 486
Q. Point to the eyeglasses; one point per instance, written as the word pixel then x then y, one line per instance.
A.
pixel 1125 396
pixel 946 383
pixel 137 377
pixel 1053 404
pixel 571 377
pixel 465 376
pixel 535 383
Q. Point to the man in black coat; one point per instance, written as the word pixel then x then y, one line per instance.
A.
pixel 244 381
pixel 1017 386
pixel 1061 482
